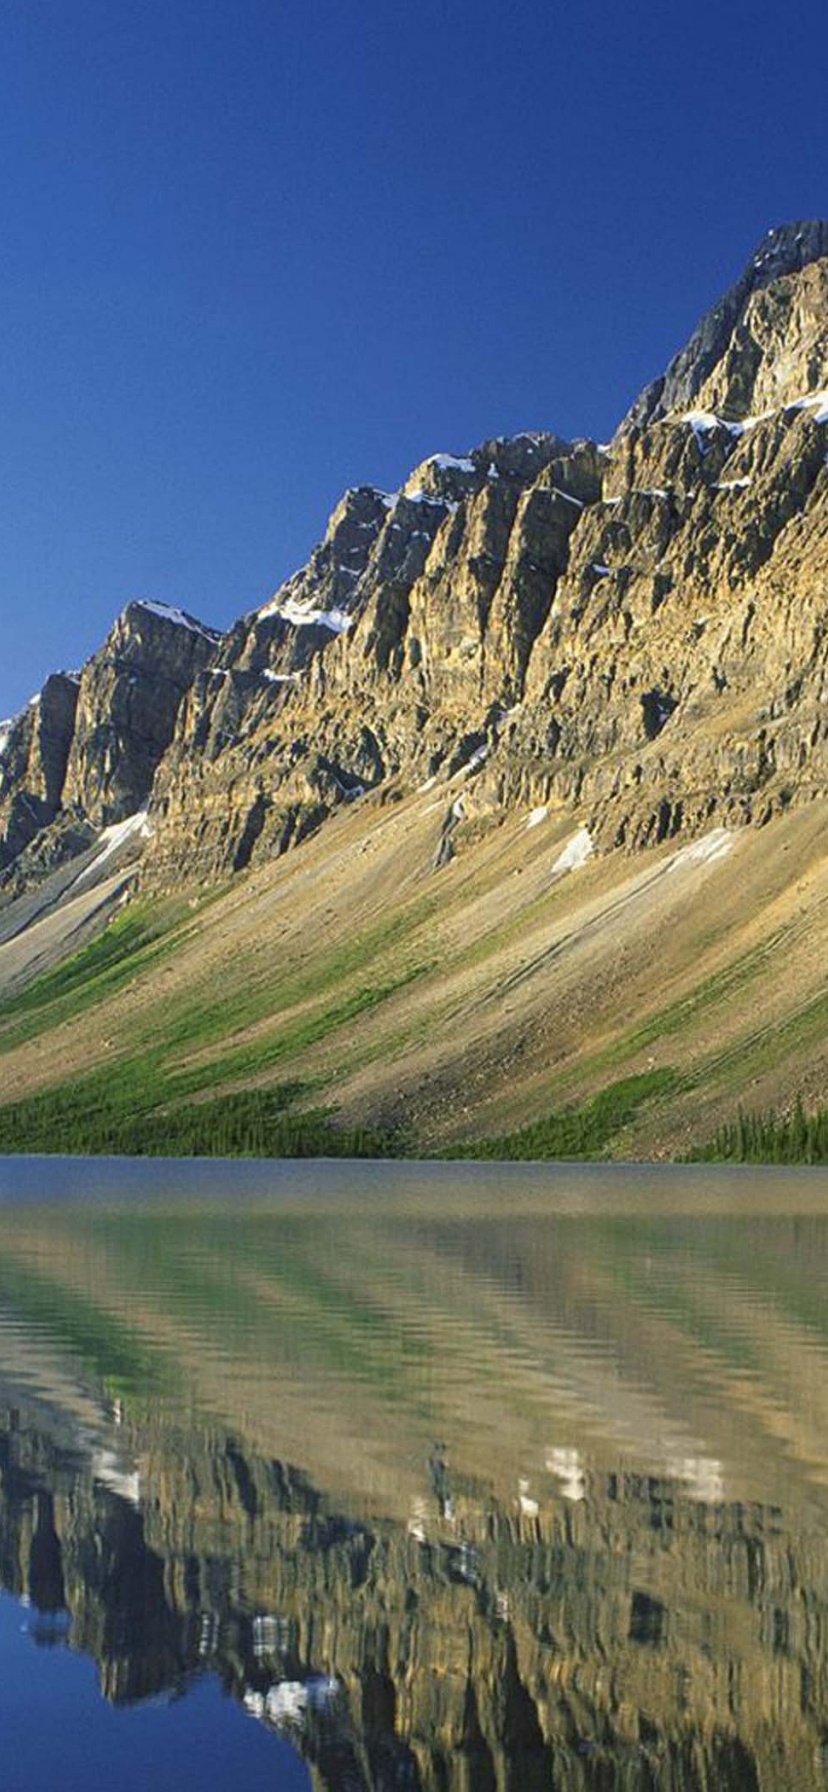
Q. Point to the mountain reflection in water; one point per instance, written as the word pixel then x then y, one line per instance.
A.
pixel 517 1483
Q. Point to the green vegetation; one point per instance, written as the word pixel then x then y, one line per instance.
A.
pixel 133 942
pixel 142 1102
pixel 186 1080
pixel 794 1138
pixel 265 990
pixel 585 1131
pixel 147 932
pixel 251 1057
pixel 128 1111
pixel 712 992
pixel 97 1117
pixel 768 1044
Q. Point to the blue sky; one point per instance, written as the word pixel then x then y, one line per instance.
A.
pixel 254 252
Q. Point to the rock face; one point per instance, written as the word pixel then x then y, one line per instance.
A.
pixel 635 632
pixel 127 705
pixel 84 752
pixel 34 750
pixel 329 691
pixel 473 1662
pixel 763 344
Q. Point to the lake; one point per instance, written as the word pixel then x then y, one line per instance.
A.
pixel 453 1478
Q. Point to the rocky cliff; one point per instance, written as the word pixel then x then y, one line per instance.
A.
pixel 632 1638
pixel 84 752
pixel 34 752
pixel 633 632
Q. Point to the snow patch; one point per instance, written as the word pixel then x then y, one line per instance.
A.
pixel 389 499
pixel 732 485
pixel 170 613
pixel 575 853
pixel 303 615
pixel 280 677
pixel 703 423
pixel 136 827
pixel 348 792
pixel 286 1705
pixel 460 464
pixel 420 497
pixel 107 1469
pixel 738 429
pixel 603 571
pixel 417 1522
pixel 527 1506
pixel 5 730
pixel 560 493
pixel 476 760
pixel 567 1468
pixel 715 845
pixel 536 816
pixel 704 1475
pixel 816 402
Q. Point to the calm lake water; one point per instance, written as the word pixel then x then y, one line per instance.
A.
pixel 462 1478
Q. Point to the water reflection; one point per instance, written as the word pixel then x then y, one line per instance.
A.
pixel 446 1498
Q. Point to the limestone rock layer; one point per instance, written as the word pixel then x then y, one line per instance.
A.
pixel 634 1639
pixel 633 632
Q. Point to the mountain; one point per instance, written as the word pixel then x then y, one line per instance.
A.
pixel 84 752
pixel 624 643
pixel 441 1666
pixel 218 1454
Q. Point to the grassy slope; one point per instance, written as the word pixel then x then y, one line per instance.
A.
pixel 349 998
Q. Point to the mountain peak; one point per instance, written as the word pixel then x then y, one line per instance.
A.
pixel 787 248
pixel 755 349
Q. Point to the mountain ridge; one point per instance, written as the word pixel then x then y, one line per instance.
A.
pixel 436 610
pixel 621 647
pixel 785 249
